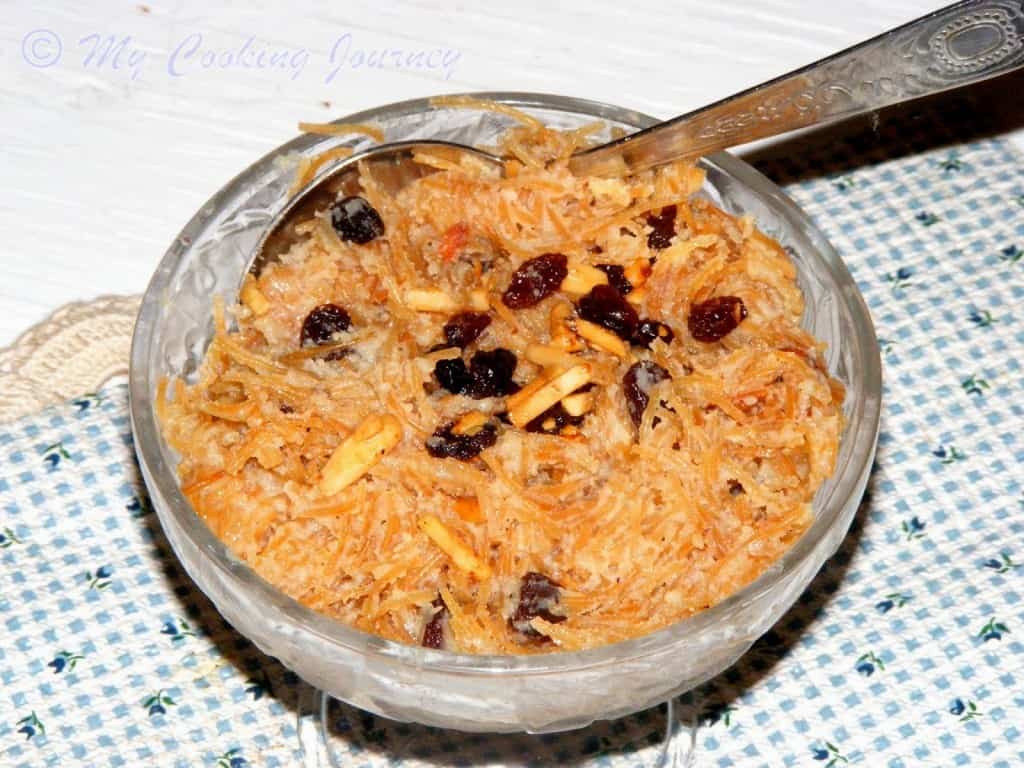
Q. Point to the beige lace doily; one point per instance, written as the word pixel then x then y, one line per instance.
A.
pixel 76 350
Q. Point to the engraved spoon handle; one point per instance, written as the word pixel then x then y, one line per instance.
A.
pixel 961 44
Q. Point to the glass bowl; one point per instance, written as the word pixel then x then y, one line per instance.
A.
pixel 537 693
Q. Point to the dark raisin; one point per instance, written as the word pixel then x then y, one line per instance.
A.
pixel 433 630
pixel 649 330
pixel 491 373
pixel 445 444
pixel 637 384
pixel 463 329
pixel 617 277
pixel 715 318
pixel 322 324
pixel 537 596
pixel 605 306
pixel 663 228
pixel 355 220
pixel 285 408
pixel 552 420
pixel 453 376
pixel 736 488
pixel 535 280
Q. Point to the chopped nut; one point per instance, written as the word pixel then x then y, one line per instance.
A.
pixel 636 296
pixel 581 278
pixel 637 272
pixel 430 300
pixel 445 353
pixel 561 335
pixel 547 356
pixel 470 423
pixel 367 445
pixel 479 301
pixel 253 298
pixel 578 404
pixel 463 557
pixel 529 403
pixel 601 338
pixel 468 508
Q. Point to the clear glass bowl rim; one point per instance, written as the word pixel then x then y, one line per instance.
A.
pixel 862 429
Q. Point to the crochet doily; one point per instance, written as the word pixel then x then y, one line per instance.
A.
pixel 76 350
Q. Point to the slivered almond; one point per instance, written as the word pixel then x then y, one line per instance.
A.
pixel 636 296
pixel 602 338
pixel 577 404
pixel 446 353
pixel 546 356
pixel 373 438
pixel 582 278
pixel 468 508
pixel 561 335
pixel 530 389
pixel 470 423
pixel 463 557
pixel 430 300
pixel 478 300
pixel 550 392
pixel 253 298
pixel 637 272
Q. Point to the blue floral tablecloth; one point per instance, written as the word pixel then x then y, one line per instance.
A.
pixel 907 650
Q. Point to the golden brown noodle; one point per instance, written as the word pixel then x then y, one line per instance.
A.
pixel 640 527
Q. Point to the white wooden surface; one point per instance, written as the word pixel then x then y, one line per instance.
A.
pixel 104 158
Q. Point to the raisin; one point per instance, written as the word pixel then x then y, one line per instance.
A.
pixel 445 444
pixel 715 318
pixel 605 306
pixel 649 330
pixel 537 596
pixel 453 376
pixel 616 277
pixel 663 228
pixel 433 631
pixel 463 329
pixel 355 220
pixel 637 384
pixel 322 324
pixel 552 420
pixel 535 280
pixel 491 373
pixel 736 488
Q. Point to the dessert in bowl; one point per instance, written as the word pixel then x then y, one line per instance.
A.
pixel 506 452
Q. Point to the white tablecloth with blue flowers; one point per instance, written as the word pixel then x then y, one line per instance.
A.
pixel 907 650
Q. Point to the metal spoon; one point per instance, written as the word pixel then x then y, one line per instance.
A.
pixel 962 44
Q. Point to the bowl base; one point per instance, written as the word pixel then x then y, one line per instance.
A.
pixel 660 737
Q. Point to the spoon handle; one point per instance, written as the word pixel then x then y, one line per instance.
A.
pixel 955 46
